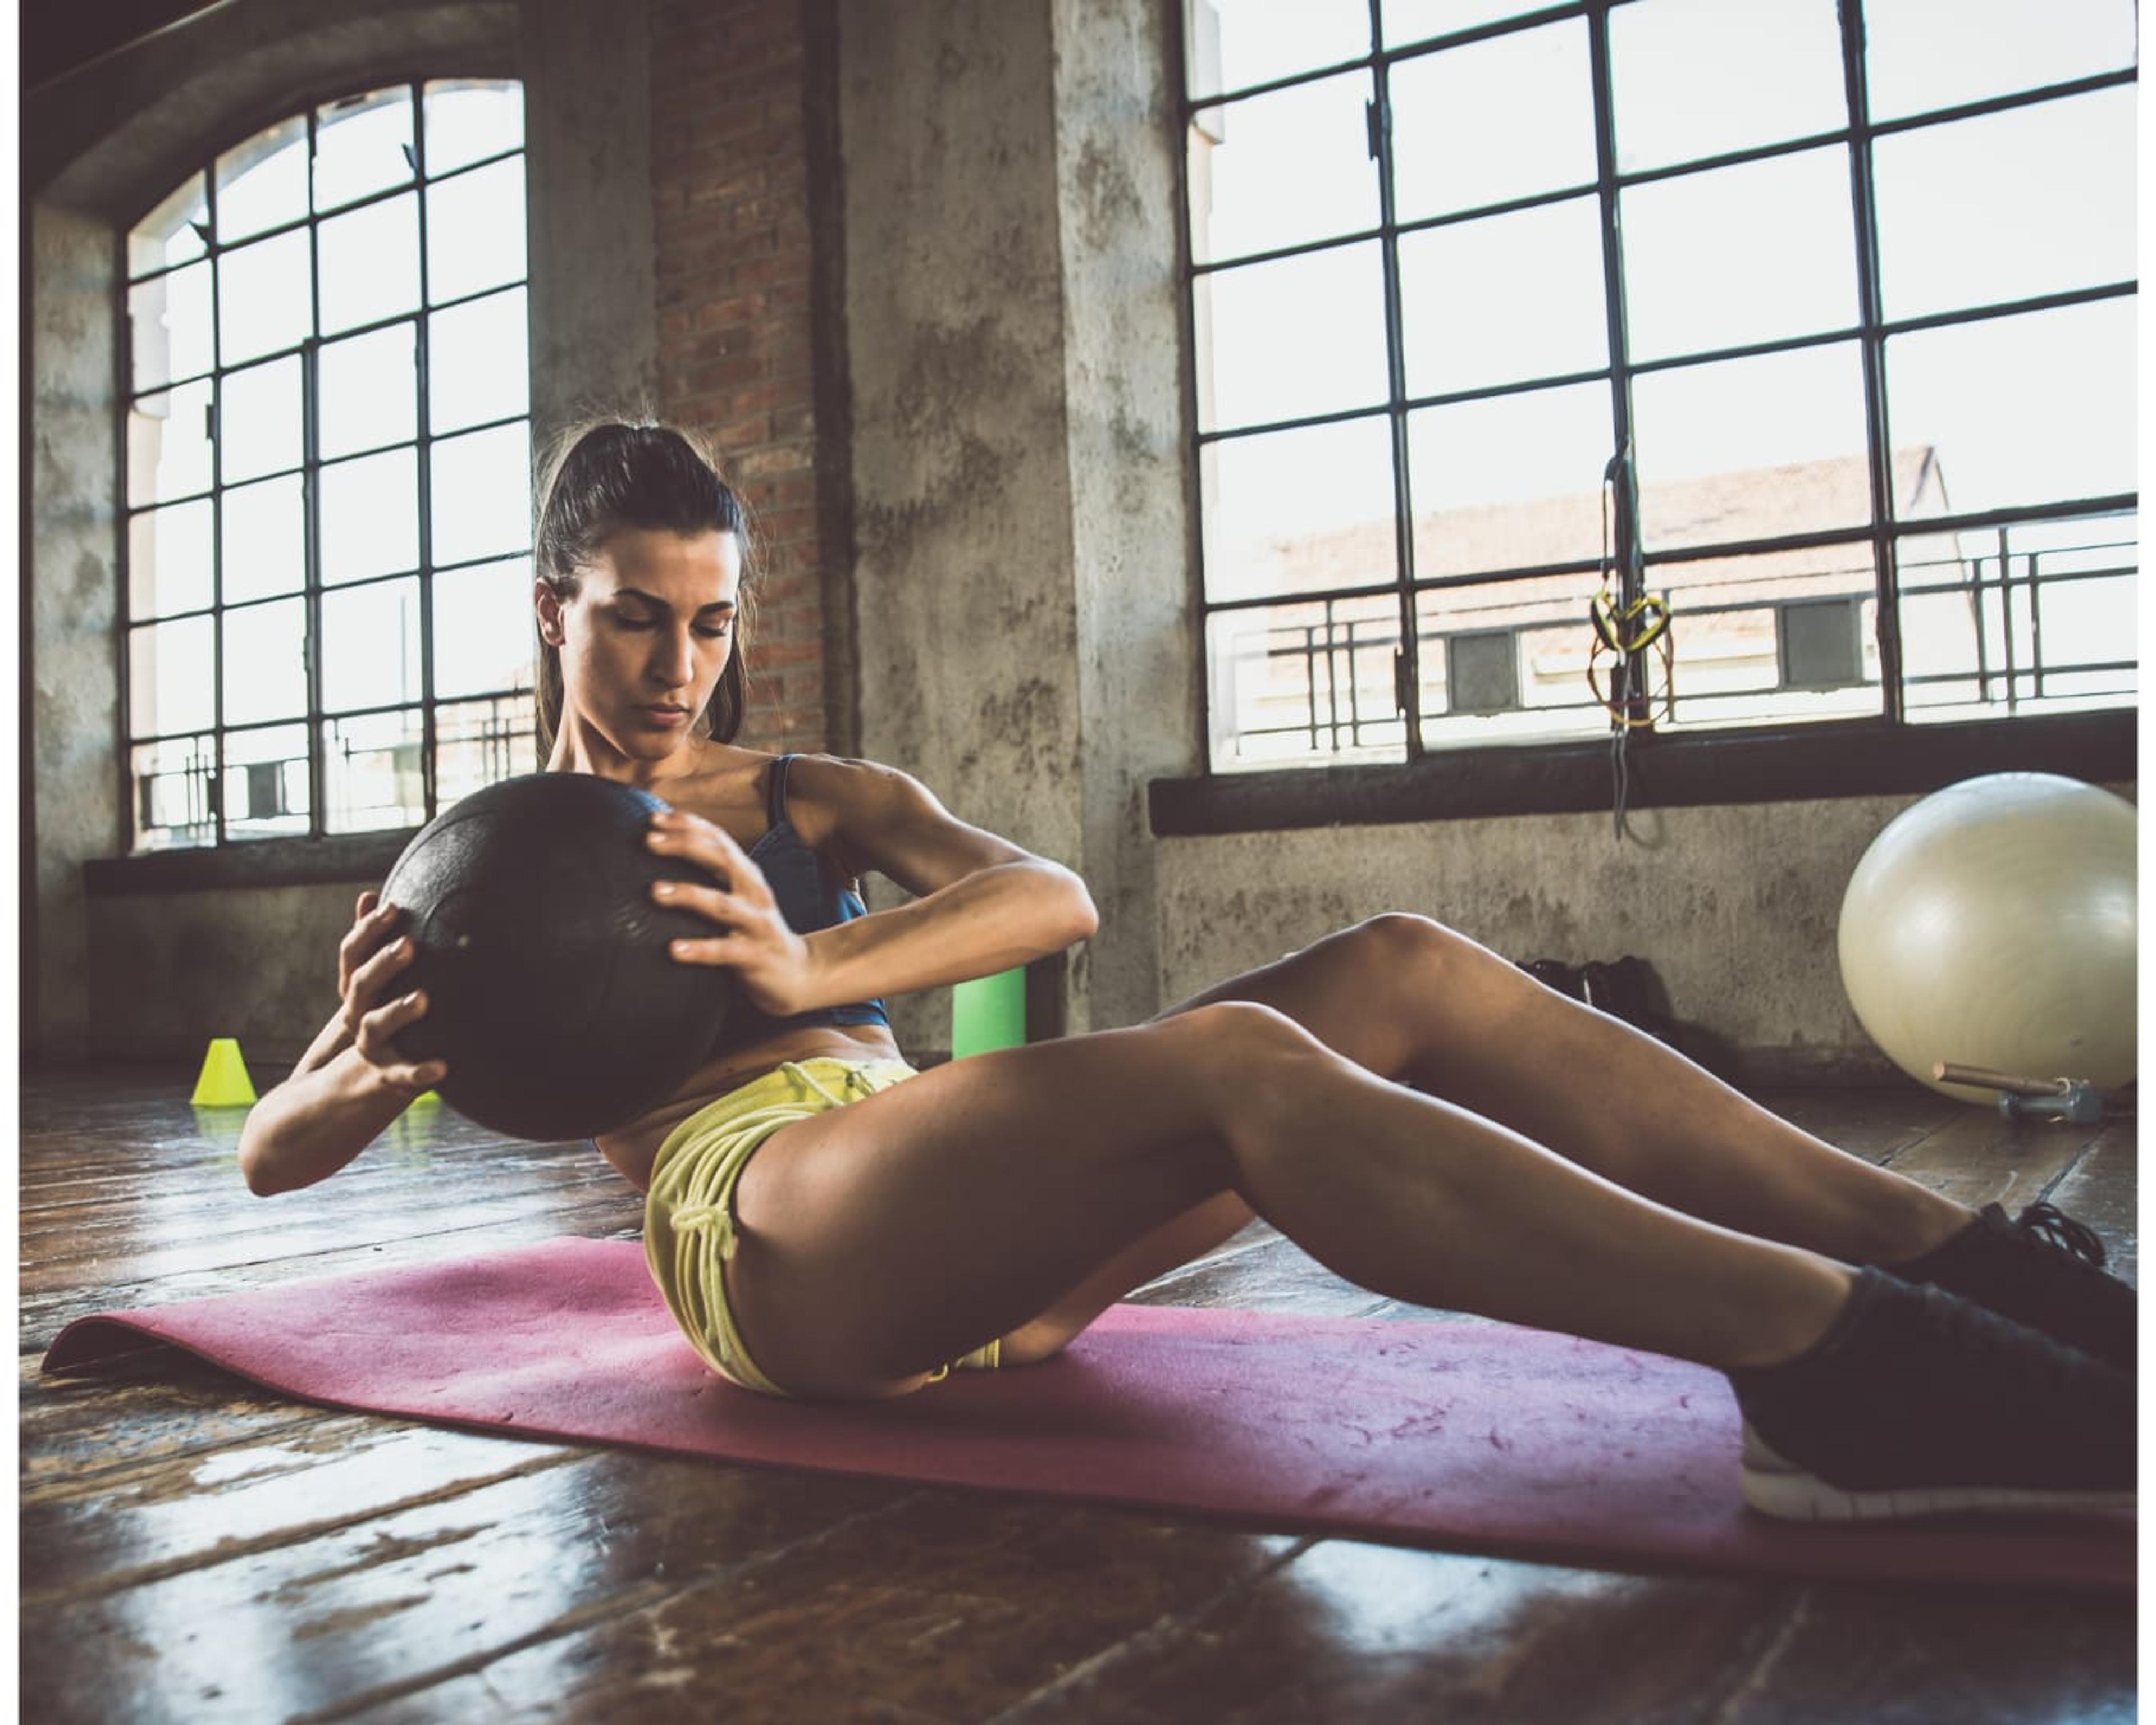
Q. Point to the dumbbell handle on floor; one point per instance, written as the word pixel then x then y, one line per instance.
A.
pixel 1984 1078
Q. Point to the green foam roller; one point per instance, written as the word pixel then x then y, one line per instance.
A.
pixel 987 1013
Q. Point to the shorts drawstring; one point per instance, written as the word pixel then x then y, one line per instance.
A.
pixel 854 1083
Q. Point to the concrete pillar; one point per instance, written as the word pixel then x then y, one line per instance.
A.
pixel 75 695
pixel 587 72
pixel 1021 575
pixel 1127 458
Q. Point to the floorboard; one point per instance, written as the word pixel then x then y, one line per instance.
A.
pixel 195 1547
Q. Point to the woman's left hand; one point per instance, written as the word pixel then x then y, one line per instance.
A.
pixel 753 938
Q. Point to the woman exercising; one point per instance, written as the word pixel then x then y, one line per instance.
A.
pixel 1418 1114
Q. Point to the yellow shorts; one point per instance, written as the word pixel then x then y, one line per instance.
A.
pixel 689 1212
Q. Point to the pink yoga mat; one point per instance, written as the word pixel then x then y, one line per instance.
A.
pixel 1460 1437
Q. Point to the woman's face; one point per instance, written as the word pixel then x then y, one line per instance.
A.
pixel 644 638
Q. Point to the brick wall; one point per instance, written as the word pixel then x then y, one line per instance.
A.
pixel 729 186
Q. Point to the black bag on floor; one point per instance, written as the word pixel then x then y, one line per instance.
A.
pixel 1625 989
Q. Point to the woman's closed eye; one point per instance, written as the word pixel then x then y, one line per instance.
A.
pixel 710 631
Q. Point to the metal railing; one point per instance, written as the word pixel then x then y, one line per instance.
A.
pixel 1325 687
pixel 186 805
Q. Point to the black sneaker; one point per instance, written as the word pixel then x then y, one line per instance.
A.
pixel 1916 1402
pixel 2044 1269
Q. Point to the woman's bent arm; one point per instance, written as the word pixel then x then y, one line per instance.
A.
pixel 352 1083
pixel 316 1120
pixel 1008 914
pixel 982 904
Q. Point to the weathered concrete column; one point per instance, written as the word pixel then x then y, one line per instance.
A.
pixel 74 782
pixel 1127 451
pixel 1021 571
pixel 587 73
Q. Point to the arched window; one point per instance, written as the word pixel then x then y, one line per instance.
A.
pixel 326 573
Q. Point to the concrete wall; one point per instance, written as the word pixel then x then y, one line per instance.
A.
pixel 1735 907
pixel 257 963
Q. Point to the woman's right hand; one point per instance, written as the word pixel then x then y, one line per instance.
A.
pixel 370 959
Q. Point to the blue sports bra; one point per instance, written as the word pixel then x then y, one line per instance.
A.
pixel 810 896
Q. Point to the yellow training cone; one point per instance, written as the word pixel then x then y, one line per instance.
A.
pixel 223 1083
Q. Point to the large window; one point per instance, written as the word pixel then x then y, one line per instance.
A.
pixel 325 598
pixel 1809 326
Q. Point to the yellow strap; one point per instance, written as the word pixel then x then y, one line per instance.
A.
pixel 1614 624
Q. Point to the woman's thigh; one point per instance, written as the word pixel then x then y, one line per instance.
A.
pixel 883 1239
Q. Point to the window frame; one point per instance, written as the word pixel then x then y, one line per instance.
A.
pixel 1874 751
pixel 319 855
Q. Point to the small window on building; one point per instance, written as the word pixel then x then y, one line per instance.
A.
pixel 1483 672
pixel 327 566
pixel 1821 644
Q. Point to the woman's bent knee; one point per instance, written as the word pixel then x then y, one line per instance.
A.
pixel 1402 936
pixel 1232 1038
pixel 1444 969
pixel 1240 1053
pixel 1236 1030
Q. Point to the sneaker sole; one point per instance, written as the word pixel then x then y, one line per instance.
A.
pixel 1778 1488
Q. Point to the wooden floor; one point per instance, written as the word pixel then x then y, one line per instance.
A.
pixel 195 1548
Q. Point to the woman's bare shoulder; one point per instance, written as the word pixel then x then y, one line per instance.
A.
pixel 834 776
pixel 827 794
pixel 726 786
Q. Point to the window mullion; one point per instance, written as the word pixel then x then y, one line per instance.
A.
pixel 123 370
pixel 217 503
pixel 1872 344
pixel 310 465
pixel 1194 482
pixel 424 424
pixel 1407 657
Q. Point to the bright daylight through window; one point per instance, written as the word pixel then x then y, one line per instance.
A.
pixel 328 481
pixel 1807 328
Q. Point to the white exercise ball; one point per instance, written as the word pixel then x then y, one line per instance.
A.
pixel 1992 924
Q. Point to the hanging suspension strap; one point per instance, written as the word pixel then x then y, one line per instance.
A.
pixel 1629 624
pixel 1621 630
pixel 1627 619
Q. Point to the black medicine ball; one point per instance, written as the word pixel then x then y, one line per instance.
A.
pixel 550 991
